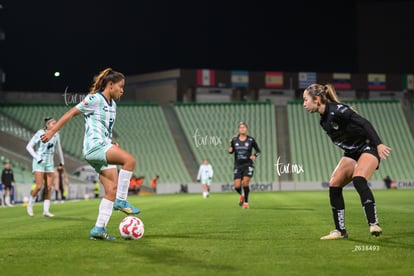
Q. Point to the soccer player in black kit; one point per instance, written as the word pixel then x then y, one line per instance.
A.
pixel 242 147
pixel 363 151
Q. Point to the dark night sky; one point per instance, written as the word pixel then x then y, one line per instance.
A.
pixel 144 36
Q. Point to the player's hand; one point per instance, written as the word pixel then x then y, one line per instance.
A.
pixel 45 137
pixel 230 149
pixel 253 157
pixel 383 151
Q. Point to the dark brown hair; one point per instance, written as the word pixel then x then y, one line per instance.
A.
pixel 101 80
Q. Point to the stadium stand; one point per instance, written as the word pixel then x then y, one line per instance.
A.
pixel 313 148
pixel 22 172
pixel 31 116
pixel 142 130
pixel 209 127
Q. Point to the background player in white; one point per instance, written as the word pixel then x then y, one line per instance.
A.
pixel 99 111
pixel 43 165
pixel 205 175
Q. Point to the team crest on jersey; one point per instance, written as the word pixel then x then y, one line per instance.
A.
pixel 335 125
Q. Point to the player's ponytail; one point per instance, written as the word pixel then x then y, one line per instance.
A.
pixel 101 80
pixel 326 92
pixel 331 93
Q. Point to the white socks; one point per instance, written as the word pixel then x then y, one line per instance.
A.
pixel 105 212
pixel 31 200
pixel 46 205
pixel 124 178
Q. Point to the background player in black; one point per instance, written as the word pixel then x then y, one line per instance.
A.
pixel 242 147
pixel 60 180
pixel 7 179
pixel 363 151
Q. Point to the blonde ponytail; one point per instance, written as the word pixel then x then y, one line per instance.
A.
pixel 326 92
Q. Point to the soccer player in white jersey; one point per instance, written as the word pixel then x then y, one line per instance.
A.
pixel 43 166
pixel 205 174
pixel 99 110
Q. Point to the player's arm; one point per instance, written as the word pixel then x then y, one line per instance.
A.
pixel 256 148
pixel 199 174
pixel 3 176
pixel 59 148
pixel 383 150
pixel 30 148
pixel 59 124
pixel 231 146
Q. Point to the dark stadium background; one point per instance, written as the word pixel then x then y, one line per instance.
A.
pixel 78 38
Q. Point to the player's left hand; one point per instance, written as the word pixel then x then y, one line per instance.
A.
pixel 45 137
pixel 252 157
pixel 383 151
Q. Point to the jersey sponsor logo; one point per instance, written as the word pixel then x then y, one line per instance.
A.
pixel 106 109
pixel 49 146
pixel 237 144
pixel 246 144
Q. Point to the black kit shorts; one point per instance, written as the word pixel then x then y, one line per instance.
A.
pixel 365 149
pixel 242 171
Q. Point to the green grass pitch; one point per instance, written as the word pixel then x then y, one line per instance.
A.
pixel 188 235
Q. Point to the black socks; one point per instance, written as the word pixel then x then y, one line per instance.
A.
pixel 246 191
pixel 338 208
pixel 367 199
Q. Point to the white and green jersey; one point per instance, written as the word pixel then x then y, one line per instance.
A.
pixel 99 119
pixel 45 151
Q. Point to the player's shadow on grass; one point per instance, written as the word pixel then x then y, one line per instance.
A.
pixel 173 257
pixel 391 240
pixel 69 218
pixel 284 208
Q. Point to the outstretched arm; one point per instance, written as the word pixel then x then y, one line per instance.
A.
pixel 62 121
pixel 60 152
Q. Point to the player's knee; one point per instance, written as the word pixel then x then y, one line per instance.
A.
pixel 131 162
pixel 360 183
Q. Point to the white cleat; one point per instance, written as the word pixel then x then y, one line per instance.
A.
pixel 30 210
pixel 375 230
pixel 334 235
pixel 48 214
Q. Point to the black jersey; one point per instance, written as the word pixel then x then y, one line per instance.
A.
pixel 7 177
pixel 243 150
pixel 347 129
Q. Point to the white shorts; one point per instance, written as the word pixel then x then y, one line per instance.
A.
pixel 97 158
pixel 42 167
pixel 206 181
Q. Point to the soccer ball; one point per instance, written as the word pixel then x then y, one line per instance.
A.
pixel 131 228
